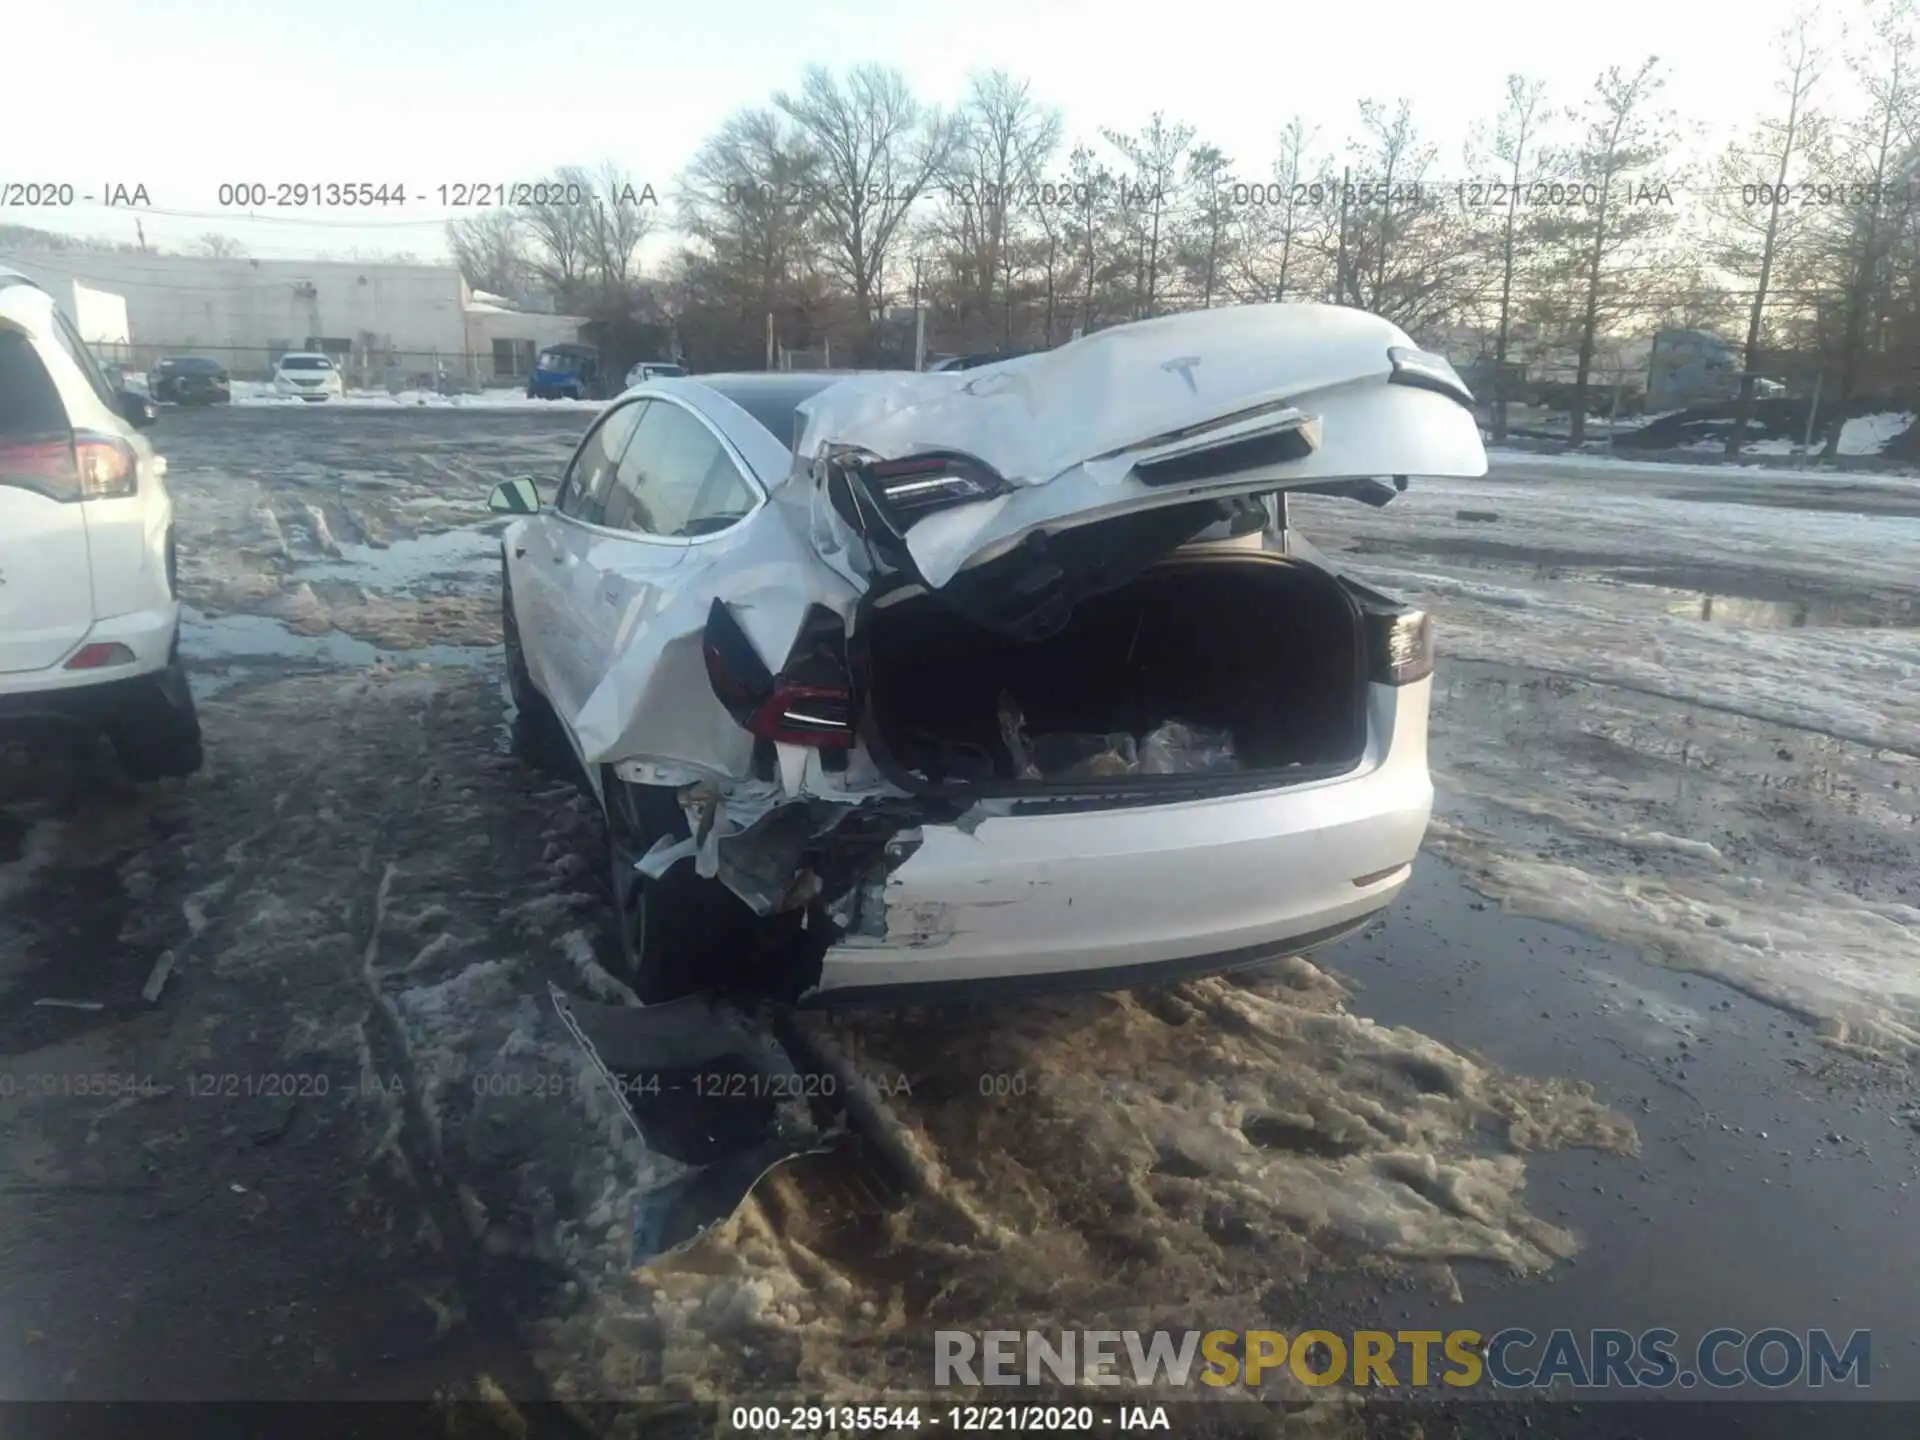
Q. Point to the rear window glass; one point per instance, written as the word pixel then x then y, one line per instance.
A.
pixel 305 362
pixel 30 405
pixel 558 362
pixel 191 366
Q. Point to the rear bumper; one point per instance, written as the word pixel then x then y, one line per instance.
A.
pixel 58 693
pixel 1031 901
pixel 982 989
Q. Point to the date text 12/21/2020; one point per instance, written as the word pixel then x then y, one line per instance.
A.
pixel 794 1420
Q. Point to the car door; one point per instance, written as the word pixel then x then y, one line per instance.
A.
pixel 680 491
pixel 545 550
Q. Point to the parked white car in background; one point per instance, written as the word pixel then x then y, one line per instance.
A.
pixel 89 620
pixel 308 375
pixel 653 370
pixel 1016 675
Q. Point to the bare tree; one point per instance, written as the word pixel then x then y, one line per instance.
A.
pixel 1514 143
pixel 879 150
pixel 490 249
pixel 219 247
pixel 1150 197
pixel 1618 210
pixel 1752 197
pixel 1003 141
pixel 1205 250
pixel 619 215
pixel 1280 221
pixel 1088 223
pixel 1399 246
pixel 1873 186
pixel 558 221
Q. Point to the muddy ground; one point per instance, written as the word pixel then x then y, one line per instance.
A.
pixel 349 1151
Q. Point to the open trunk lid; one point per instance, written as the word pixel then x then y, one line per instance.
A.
pixel 1016 489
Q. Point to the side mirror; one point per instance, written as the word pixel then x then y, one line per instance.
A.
pixel 515 497
pixel 137 410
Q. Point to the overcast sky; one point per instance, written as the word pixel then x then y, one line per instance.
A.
pixel 184 95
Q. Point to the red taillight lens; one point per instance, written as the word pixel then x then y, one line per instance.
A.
pixel 909 489
pixel 807 703
pixel 817 715
pixel 43 464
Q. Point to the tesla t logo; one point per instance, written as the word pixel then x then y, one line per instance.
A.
pixel 1183 366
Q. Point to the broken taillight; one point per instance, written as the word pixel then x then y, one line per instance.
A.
pixel 809 702
pixel 817 715
pixel 906 490
pixel 87 466
pixel 1399 646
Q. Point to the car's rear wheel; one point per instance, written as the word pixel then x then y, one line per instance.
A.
pixel 160 740
pixel 680 934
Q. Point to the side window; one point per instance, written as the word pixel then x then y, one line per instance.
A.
pixel 677 480
pixel 77 349
pixel 583 490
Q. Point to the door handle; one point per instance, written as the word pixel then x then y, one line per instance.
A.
pixel 519 552
pixel 560 559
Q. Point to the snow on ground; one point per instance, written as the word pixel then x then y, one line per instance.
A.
pixel 257 392
pixel 1870 434
pixel 1126 1161
pixel 1600 462
pixel 1687 723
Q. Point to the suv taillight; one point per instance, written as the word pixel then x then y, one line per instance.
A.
pixel 1399 646
pixel 89 466
pixel 109 468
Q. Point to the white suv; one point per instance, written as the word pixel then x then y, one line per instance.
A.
pixel 89 621
pixel 308 375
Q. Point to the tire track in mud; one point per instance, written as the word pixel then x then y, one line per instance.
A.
pixel 1187 1157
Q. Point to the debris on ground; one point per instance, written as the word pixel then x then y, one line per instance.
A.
pixel 1173 748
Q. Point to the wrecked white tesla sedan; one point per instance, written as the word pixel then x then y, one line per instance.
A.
pixel 917 682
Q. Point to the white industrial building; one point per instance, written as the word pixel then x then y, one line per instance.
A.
pixel 374 316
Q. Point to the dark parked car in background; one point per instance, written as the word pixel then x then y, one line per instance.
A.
pixel 189 380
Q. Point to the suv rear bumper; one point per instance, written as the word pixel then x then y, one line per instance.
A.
pixel 150 634
pixel 100 707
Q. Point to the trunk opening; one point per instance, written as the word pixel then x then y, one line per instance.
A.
pixel 1267 648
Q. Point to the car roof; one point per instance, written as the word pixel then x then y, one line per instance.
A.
pixel 771 396
pixel 306 355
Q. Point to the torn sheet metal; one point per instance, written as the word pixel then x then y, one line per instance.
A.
pixel 1066 428
pixel 654 705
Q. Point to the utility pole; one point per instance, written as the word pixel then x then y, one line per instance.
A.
pixel 141 231
pixel 769 340
pixel 919 337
